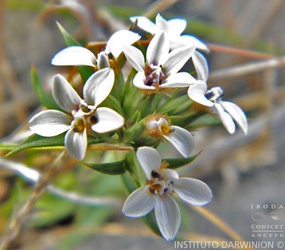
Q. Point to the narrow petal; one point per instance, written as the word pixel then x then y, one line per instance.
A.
pixel 144 23
pixel 181 139
pixel 119 40
pixel 50 123
pixel 135 57
pixel 237 114
pixel 76 144
pixel 225 118
pixel 168 216
pixel 178 80
pixel 99 86
pixel 74 56
pixel 158 49
pixel 139 203
pixel 108 120
pixel 201 66
pixel 63 93
pixel 193 191
pixel 149 159
pixel 177 59
pixel 139 81
pixel 197 91
pixel 179 41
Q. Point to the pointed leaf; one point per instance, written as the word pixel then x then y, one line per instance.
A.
pixel 113 168
pixel 46 99
pixel 180 162
pixel 36 141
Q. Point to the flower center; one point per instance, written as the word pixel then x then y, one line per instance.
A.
pixel 159 185
pixel 79 125
pixel 154 75
pixel 165 129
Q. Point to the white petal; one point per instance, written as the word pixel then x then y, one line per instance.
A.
pixel 119 40
pixel 168 216
pixel 237 114
pixel 135 57
pixel 225 118
pixel 50 123
pixel 177 58
pixel 201 66
pixel 108 120
pixel 158 49
pixel 179 41
pixel 149 159
pixel 76 144
pixel 139 203
pixel 178 80
pixel 139 81
pixel 176 26
pixel 170 174
pixel 74 56
pixel 99 86
pixel 63 93
pixel 181 139
pixel 193 191
pixel 103 60
pixel 145 24
pixel 197 91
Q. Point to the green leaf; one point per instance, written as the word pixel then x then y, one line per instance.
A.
pixel 113 103
pixel 175 105
pixel 112 168
pixel 180 162
pixel 46 99
pixel 84 71
pixel 36 141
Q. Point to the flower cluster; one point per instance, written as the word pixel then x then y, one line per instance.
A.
pixel 138 93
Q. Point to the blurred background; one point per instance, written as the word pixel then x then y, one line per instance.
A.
pixel 246 173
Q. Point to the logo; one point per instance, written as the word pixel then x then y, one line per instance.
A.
pixel 267 221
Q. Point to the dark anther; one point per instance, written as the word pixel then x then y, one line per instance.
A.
pixel 152 190
pixel 75 129
pixel 155 174
pixel 94 119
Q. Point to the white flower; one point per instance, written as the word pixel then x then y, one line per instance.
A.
pixel 179 137
pixel 161 184
pixel 80 56
pixel 161 66
pixel 173 28
pixel 227 111
pixel 79 115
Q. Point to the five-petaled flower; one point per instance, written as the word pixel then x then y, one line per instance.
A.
pixel 227 111
pixel 80 56
pixel 160 69
pixel 80 115
pixel 161 184
pixel 159 126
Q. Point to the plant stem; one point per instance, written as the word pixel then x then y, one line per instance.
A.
pixel 18 220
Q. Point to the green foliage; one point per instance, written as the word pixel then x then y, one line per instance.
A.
pixel 112 168
pixel 175 163
pixel 38 142
pixel 45 98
